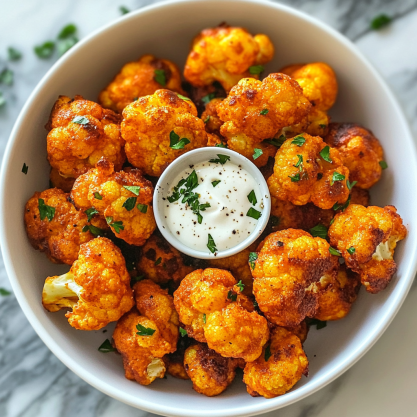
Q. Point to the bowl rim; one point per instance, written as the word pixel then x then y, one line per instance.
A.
pixel 184 161
pixel 258 407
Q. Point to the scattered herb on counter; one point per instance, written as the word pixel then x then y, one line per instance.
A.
pixel 67 31
pixel 380 21
pixel 2 100
pixel 45 50
pixel 14 54
pixel 25 168
pixel 4 292
pixel 124 10
pixel 6 77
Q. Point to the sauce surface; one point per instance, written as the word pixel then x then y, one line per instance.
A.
pixel 221 208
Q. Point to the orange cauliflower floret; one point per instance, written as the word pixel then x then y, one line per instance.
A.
pixel 225 54
pixel 336 300
pixel 212 310
pixel 140 78
pixel 211 118
pixel 55 226
pixel 209 372
pixel 366 238
pixel 174 362
pixel 359 150
pixel 301 330
pixel 318 82
pixel 80 133
pixel 287 271
pixel 123 198
pixel 279 368
pixel 97 288
pixel 58 181
pixel 161 262
pixel 307 170
pixel 159 128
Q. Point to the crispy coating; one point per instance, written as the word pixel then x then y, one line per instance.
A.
pixel 224 54
pixel 373 234
pixel 211 118
pixel 137 79
pixel 335 302
pixel 157 306
pixel 301 175
pixel 210 306
pixel 161 262
pixel 174 362
pixel 283 369
pixel 147 124
pixel 97 288
pixel 318 81
pixel 359 150
pixel 61 237
pixel 139 362
pixel 133 226
pixel 260 109
pixel 209 372
pixel 73 148
pixel 287 273
pixel 58 181
pixel 301 330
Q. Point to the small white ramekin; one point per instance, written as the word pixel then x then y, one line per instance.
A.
pixel 192 158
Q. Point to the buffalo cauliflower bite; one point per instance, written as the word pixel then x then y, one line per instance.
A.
pixel 366 238
pixel 225 54
pixel 306 170
pixel 359 150
pixel 211 118
pixel 174 362
pixel 61 234
pixel 123 198
pixel 210 306
pixel 287 272
pixel 279 368
pixel 58 181
pixel 154 124
pixel 209 372
pixel 301 330
pixel 335 302
pixel 139 362
pixel 318 82
pixel 161 262
pixel 80 133
pixel 140 78
pixel 97 287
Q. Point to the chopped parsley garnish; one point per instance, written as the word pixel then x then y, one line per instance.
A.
pixel 210 244
pixel 268 353
pixel 80 120
pixel 350 185
pixel 106 347
pixel 117 225
pixel 207 119
pixel 255 214
pixel 325 154
pixel 222 159
pixel 124 10
pixel 204 318
pixel 334 251
pixel 232 296
pixel 214 183
pixel 4 292
pixel 206 99
pixel 130 203
pixel 14 54
pixel 351 250
pixel 45 211
pixel 253 256
pixel 323 126
pixel 97 196
pixel 344 206
pixel 160 77
pixel 143 208
pixel 132 188
pixel 136 279
pixel 257 153
pixel 2 100
pixel 175 142
pixel 299 163
pixel 144 331
pixel 276 142
pixel 90 213
pixel 295 177
pixel 337 177
pixel 331 221
pixel 252 198
pixel 220 145
pixel 25 168
pixel 158 261
pixel 240 285
pixel 299 141
pixel 383 164
pixel 95 231
pixel 319 231
pixel 318 323
pixel 380 21
pixel 45 50
pixel 255 304
pixel 67 31
pixel 183 97
pixel 67 38
pixel 263 112
pixel 183 332
pixel 256 69
pixel 6 77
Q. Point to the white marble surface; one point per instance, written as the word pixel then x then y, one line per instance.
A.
pixel 33 383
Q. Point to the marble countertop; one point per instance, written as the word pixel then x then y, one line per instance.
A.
pixel 33 383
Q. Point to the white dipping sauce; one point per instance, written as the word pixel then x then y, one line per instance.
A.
pixel 226 219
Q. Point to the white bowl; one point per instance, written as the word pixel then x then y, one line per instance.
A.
pixel 192 158
pixel 166 30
